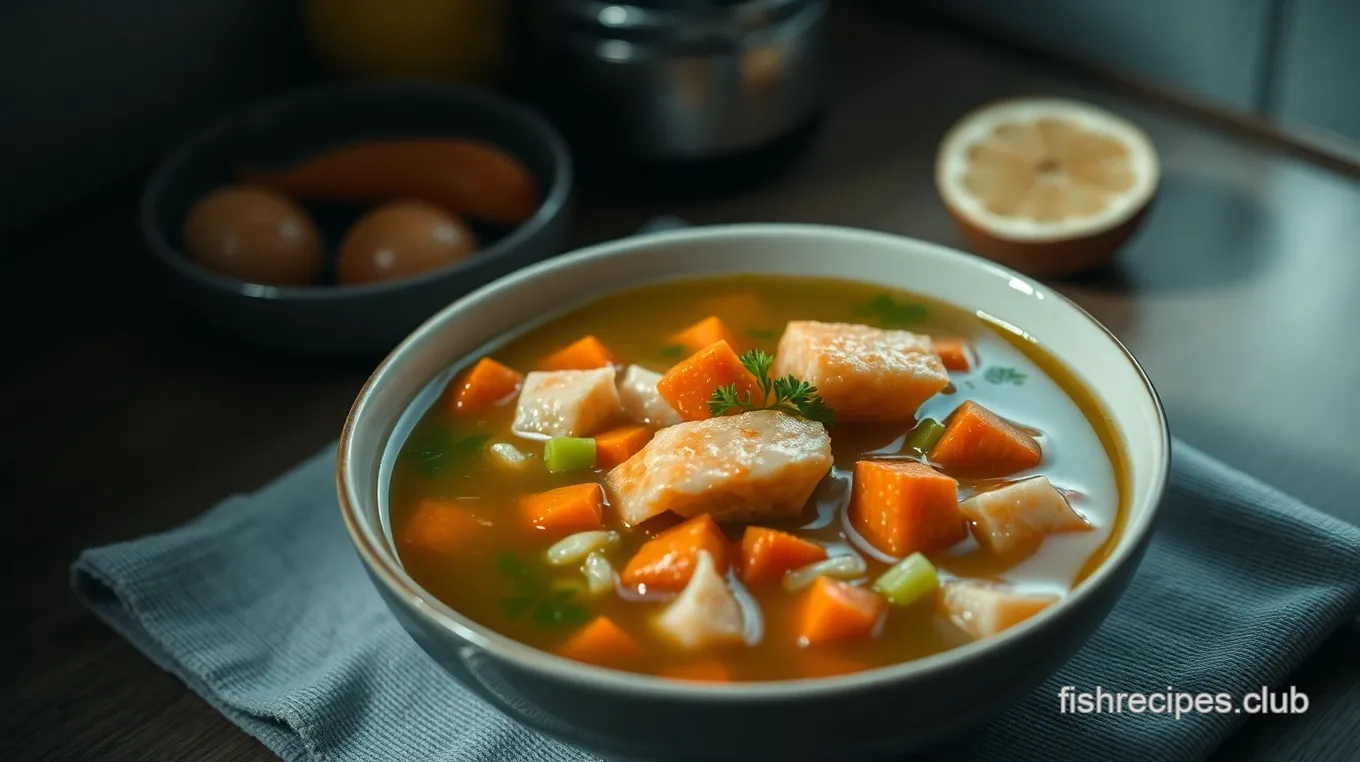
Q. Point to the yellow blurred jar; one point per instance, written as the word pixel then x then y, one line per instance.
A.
pixel 457 40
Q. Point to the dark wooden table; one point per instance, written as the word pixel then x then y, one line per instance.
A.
pixel 121 417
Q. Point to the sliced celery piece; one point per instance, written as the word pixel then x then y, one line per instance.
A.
pixel 924 436
pixel 569 454
pixel 908 581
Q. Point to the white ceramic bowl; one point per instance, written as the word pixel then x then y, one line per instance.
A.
pixel 882 712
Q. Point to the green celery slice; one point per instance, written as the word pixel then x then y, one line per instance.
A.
pixel 569 454
pixel 908 581
pixel 924 435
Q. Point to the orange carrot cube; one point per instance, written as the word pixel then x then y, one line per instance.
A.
pixel 617 445
pixel 975 437
pixel 565 510
pixel 586 353
pixel 708 331
pixel 484 385
pixel 667 561
pixel 689 385
pixel 602 643
pixel 768 554
pixel 903 507
pixel 832 610
pixel 953 353
pixel 444 526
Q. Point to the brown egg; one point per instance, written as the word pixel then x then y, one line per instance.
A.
pixel 400 240
pixel 254 234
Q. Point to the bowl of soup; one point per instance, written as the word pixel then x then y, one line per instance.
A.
pixel 754 491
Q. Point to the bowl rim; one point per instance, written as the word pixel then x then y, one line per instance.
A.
pixel 555 196
pixel 548 664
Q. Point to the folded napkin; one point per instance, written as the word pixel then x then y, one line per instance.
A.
pixel 261 606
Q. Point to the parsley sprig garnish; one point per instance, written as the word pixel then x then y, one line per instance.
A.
pixel 786 394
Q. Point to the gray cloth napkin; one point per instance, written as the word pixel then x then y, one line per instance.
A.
pixel 262 608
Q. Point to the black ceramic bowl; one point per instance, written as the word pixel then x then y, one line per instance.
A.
pixel 364 320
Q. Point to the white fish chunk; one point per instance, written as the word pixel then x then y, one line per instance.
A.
pixel 567 403
pixel 1016 518
pixel 641 401
pixel 983 609
pixel 758 465
pixel 705 614
pixel 864 373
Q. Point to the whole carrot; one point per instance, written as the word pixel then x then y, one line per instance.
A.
pixel 469 178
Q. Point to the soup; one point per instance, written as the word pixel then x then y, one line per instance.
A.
pixel 757 478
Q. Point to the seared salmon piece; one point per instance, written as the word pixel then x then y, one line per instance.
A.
pixel 864 373
pixel 1016 518
pixel 642 402
pixel 567 403
pixel 983 609
pixel 757 465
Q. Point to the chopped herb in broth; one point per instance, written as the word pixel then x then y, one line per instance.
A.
pixel 1001 375
pixel 886 312
pixel 699 507
pixel 437 449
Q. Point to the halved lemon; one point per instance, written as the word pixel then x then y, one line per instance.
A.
pixel 1046 186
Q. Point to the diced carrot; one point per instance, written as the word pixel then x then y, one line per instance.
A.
pixel 483 385
pixel 617 445
pixel 903 507
pixel 444 526
pixel 767 554
pixel 710 671
pixel 821 662
pixel 953 353
pixel 710 330
pixel 586 353
pixel 688 386
pixel 832 611
pixel 667 561
pixel 978 438
pixel 602 643
pixel 565 510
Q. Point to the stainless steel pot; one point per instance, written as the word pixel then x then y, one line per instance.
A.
pixel 683 81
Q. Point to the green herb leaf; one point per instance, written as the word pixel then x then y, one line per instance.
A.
pixel 998 374
pixel 516 573
pixel 890 313
pixel 550 608
pixel 517 606
pixel 761 333
pixel 673 351
pixel 787 394
pixel 437 449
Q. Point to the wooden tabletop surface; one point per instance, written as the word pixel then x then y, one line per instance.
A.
pixel 122 417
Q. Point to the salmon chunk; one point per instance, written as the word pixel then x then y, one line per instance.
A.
pixel 641 401
pixel 983 609
pixel 567 403
pixel 864 373
pixel 705 614
pixel 1015 519
pixel 757 465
